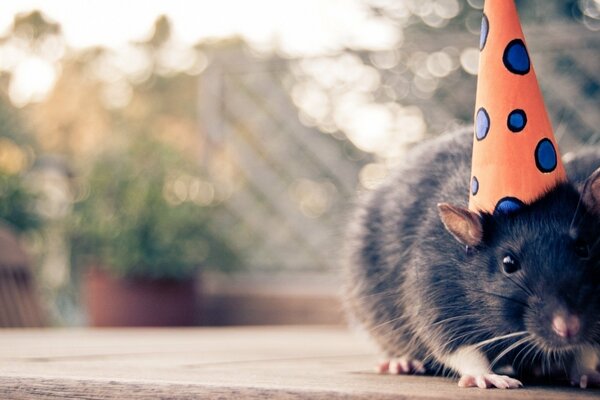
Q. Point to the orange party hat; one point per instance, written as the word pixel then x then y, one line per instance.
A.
pixel 515 156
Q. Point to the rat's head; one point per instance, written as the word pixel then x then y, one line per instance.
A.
pixel 536 269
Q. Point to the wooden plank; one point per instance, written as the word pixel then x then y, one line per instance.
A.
pixel 7 302
pixel 21 388
pixel 249 363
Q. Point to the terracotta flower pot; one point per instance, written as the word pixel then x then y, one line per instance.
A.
pixel 112 301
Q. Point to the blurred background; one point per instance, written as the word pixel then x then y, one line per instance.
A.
pixel 195 163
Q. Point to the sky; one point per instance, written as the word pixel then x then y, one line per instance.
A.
pixel 306 26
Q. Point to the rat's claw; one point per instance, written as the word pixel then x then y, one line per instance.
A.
pixel 590 379
pixel 401 366
pixel 383 367
pixel 466 381
pixel 418 367
pixel 486 381
pixel 481 382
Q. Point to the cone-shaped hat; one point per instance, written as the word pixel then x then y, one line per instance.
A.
pixel 515 156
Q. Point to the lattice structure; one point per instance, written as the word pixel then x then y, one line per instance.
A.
pixel 246 112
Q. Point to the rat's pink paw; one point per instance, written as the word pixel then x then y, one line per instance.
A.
pixel 401 366
pixel 585 380
pixel 487 381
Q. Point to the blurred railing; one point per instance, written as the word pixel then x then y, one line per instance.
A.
pixel 295 180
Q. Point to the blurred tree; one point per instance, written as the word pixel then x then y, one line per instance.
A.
pixel 161 33
pixel 72 121
pixel 424 84
pixel 33 26
pixel 99 101
pixel 17 154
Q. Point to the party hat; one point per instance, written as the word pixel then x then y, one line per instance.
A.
pixel 515 156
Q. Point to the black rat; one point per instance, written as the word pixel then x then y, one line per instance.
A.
pixel 445 290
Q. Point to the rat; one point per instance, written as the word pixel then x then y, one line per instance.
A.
pixel 445 290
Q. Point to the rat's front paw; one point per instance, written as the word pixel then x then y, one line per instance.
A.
pixel 401 366
pixel 486 381
pixel 586 379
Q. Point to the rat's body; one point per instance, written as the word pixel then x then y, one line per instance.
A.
pixel 428 300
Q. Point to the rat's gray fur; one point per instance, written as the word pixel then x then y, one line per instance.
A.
pixel 397 230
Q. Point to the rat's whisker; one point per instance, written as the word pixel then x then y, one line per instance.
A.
pixel 494 339
pixel 381 294
pixel 593 246
pixel 539 353
pixel 471 333
pixel 530 347
pixel 520 286
pixel 388 322
pixel 509 349
pixel 502 297
pixel 576 215
pixel 458 317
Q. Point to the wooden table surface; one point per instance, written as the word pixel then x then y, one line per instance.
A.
pixel 240 363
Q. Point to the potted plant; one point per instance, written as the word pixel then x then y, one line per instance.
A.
pixel 142 229
pixel 17 204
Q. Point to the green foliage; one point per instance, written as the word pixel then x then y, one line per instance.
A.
pixel 129 223
pixel 17 203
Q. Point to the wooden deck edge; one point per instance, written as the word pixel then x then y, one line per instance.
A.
pixel 18 388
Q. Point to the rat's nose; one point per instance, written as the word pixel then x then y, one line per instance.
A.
pixel 565 325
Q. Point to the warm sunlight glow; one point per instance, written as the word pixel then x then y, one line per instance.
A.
pixel 309 26
pixel 32 79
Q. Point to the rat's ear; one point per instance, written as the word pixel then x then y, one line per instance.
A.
pixel 463 224
pixel 590 195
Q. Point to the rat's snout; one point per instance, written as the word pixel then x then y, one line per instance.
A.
pixel 557 322
pixel 566 325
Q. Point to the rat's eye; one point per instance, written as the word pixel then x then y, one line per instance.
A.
pixel 510 264
pixel 581 248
